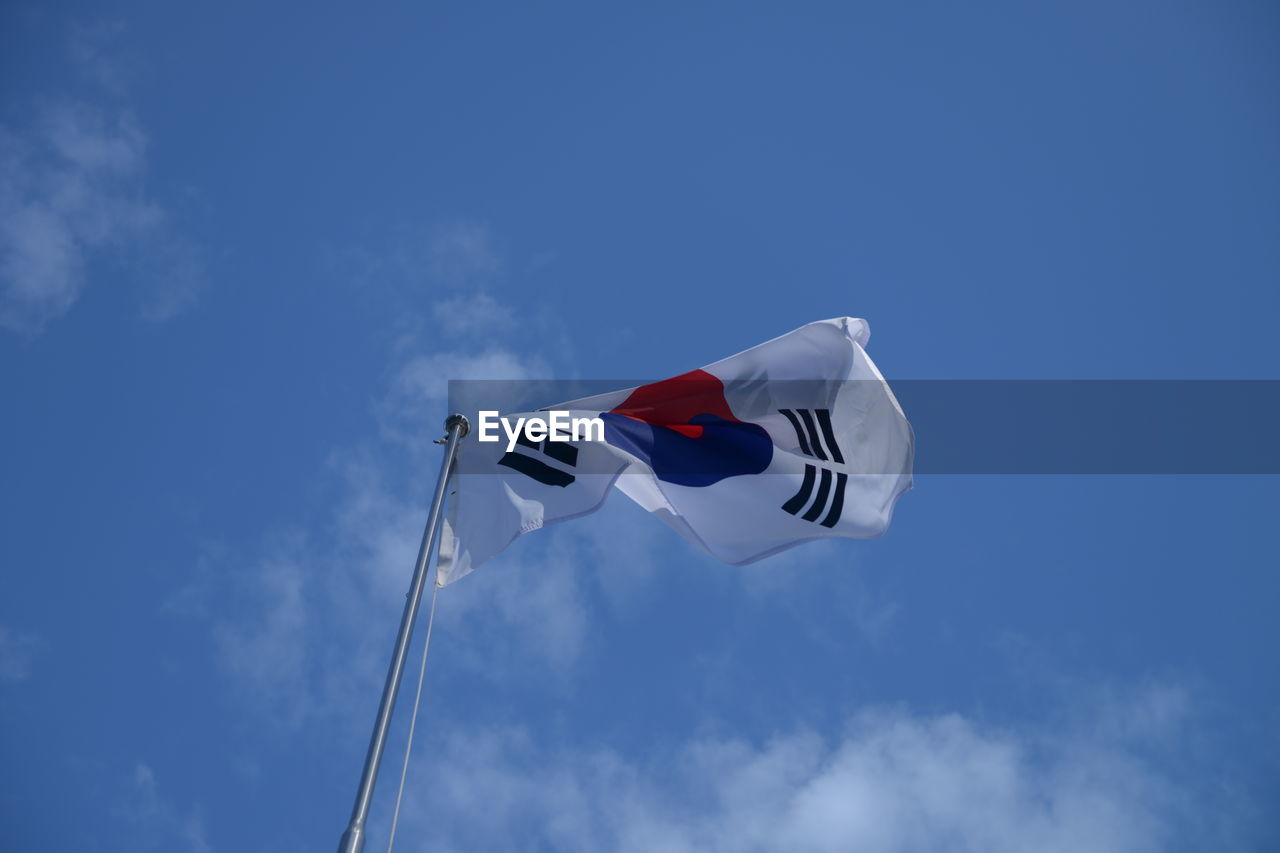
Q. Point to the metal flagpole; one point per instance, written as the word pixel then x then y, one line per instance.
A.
pixel 353 839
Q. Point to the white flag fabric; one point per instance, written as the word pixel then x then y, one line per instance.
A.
pixel 799 438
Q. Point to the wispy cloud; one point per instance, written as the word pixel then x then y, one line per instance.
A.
pixel 72 189
pixel 170 276
pixel 294 625
pixel 17 651
pixel 824 577
pixel 303 630
pixel 449 283
pixel 473 315
pixel 456 256
pixel 155 823
pixel 414 406
pixel 891 781
pixel 463 254
pixel 269 652
pixel 534 608
pixel 90 46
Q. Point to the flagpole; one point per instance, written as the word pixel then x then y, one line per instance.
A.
pixel 457 427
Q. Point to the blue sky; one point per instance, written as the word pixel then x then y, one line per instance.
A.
pixel 242 248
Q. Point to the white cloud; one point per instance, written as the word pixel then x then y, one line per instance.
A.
pixel 826 577
pixel 295 630
pixel 457 271
pixel 171 277
pixel 892 781
pixel 477 314
pixel 155 823
pixel 454 257
pixel 413 410
pixel 268 652
pixel 304 629
pixel 17 650
pixel 538 603
pixel 72 191
pixel 90 46
pixel 462 254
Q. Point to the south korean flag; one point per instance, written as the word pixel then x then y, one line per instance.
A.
pixel 799 438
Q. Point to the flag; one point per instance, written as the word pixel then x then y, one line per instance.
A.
pixel 797 439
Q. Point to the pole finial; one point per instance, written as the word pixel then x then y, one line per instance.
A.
pixel 458 420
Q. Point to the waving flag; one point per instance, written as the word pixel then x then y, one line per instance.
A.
pixel 793 440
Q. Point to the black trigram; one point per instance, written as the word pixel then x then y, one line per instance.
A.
pixel 810 443
pixel 533 467
pixel 817 439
